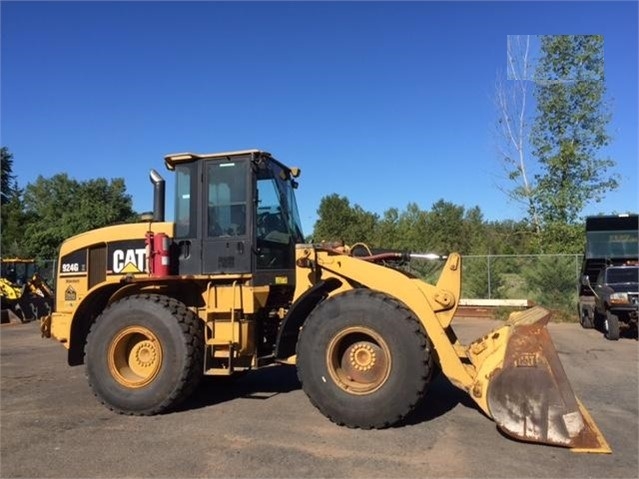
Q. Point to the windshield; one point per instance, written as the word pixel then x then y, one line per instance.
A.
pixel 276 198
pixel 278 221
pixel 622 275
pixel 287 195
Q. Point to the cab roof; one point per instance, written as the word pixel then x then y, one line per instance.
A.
pixel 175 158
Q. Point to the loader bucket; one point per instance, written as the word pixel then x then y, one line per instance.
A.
pixel 530 398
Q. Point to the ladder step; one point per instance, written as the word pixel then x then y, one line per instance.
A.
pixel 217 372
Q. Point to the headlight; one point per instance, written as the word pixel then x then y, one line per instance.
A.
pixel 619 298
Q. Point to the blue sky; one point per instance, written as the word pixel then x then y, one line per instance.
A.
pixel 385 103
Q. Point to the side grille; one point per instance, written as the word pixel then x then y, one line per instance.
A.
pixel 97 264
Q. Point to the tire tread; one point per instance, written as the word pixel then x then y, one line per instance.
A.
pixel 418 334
pixel 192 334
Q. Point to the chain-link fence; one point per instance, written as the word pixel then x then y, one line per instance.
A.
pixel 47 270
pixel 548 280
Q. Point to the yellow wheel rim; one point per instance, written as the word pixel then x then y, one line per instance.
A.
pixel 135 357
pixel 358 360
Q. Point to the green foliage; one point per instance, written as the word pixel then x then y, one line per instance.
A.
pixel 444 228
pixel 7 179
pixel 11 213
pixel 560 238
pixel 551 282
pixel 508 237
pixel 483 275
pixel 13 221
pixel 387 231
pixel 570 128
pixel 60 207
pixel 411 232
pixel 475 278
pixel 36 220
pixel 338 220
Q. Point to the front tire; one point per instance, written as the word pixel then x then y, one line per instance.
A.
pixel 611 326
pixel 144 354
pixel 364 360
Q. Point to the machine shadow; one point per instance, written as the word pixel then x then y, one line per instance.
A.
pixel 441 397
pixel 260 384
pixel 266 383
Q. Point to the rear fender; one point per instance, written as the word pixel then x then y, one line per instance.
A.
pixel 89 308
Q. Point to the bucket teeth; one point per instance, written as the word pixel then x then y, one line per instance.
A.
pixel 530 397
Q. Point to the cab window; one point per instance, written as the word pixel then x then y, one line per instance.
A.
pixel 226 204
pixel 186 200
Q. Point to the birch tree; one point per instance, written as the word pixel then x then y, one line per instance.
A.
pixel 513 126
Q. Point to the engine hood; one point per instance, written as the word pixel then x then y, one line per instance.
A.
pixel 109 234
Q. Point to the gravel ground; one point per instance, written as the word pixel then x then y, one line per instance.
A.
pixel 264 426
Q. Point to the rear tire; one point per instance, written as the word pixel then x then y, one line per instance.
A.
pixel 586 318
pixel 144 354
pixel 364 360
pixel 611 326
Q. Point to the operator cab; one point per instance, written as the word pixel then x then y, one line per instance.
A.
pixel 236 212
pixel 17 271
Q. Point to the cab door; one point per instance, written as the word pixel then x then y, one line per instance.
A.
pixel 226 230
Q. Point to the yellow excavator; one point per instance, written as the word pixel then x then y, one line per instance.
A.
pixel 24 294
pixel 231 285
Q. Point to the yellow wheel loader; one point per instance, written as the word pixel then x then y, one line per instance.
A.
pixel 23 292
pixel 231 285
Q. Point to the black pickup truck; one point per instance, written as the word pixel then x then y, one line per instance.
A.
pixel 617 299
pixel 608 288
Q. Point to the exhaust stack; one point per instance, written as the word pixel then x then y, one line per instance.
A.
pixel 158 195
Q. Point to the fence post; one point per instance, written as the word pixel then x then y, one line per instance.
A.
pixel 55 273
pixel 577 268
pixel 489 279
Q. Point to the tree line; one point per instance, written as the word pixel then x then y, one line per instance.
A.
pixel 36 219
pixel 443 228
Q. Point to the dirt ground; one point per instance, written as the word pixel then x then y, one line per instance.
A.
pixel 264 426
